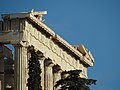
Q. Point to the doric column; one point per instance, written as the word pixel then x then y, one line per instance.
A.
pixel 56 75
pixel 20 74
pixel 48 75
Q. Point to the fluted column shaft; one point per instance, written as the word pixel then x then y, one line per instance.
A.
pixel 42 58
pixel 48 75
pixel 56 76
pixel 20 74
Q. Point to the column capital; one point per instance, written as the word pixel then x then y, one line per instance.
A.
pixel 57 69
pixel 22 44
pixel 49 63
pixel 41 55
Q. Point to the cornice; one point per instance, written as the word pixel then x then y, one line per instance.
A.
pixel 30 16
pixel 60 40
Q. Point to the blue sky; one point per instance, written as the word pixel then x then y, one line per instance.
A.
pixel 94 23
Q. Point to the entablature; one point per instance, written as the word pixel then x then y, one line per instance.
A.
pixel 24 17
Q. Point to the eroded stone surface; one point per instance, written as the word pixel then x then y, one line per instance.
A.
pixel 28 29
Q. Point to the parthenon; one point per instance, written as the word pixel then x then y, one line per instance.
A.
pixel 25 29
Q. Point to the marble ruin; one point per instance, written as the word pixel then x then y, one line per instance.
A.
pixel 25 29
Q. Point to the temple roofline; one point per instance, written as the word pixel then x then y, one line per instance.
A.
pixel 31 16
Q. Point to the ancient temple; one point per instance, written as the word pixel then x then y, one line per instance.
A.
pixel 25 29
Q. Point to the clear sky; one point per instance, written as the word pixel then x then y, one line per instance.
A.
pixel 94 23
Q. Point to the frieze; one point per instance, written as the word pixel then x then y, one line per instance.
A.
pixel 51 45
pixel 39 36
pixel 9 37
pixel 22 24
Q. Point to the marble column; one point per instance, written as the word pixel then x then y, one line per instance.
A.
pixel 20 75
pixel 48 75
pixel 56 75
pixel 41 60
